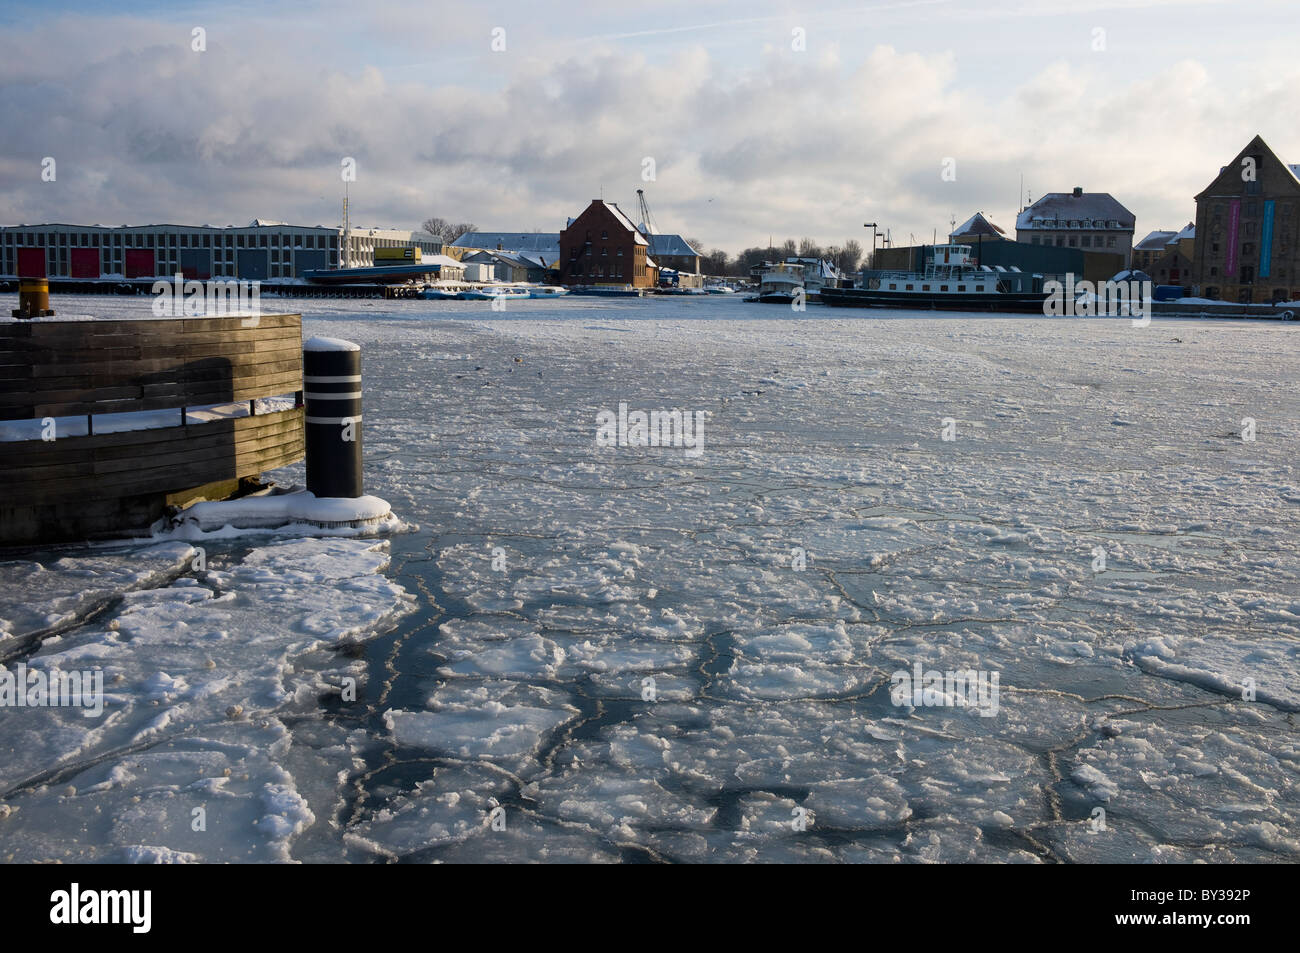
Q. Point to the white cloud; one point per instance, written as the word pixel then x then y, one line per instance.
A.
pixel 750 137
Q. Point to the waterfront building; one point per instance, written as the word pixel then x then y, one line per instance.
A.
pixel 602 247
pixel 1246 247
pixel 1089 221
pixel 261 250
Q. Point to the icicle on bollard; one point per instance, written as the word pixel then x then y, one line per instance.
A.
pixel 331 381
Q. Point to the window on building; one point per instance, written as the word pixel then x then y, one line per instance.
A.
pixel 1087 241
pixel 604 236
pixel 1110 241
pixel 1073 241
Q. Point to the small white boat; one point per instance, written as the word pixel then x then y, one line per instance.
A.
pixel 492 293
pixel 437 294
pixel 547 291
pixel 720 290
pixel 780 283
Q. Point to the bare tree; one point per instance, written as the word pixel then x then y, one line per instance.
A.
pixel 809 249
pixel 715 262
pixel 850 256
pixel 747 259
pixel 446 230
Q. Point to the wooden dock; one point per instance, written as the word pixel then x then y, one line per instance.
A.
pixel 104 484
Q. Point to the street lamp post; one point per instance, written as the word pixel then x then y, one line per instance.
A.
pixel 872 226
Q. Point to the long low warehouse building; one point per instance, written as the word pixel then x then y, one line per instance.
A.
pixel 261 250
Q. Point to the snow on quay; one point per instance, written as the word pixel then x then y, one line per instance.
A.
pixel 597 653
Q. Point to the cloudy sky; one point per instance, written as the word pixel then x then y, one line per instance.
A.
pixel 762 118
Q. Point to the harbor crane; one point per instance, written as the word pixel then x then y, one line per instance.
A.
pixel 644 211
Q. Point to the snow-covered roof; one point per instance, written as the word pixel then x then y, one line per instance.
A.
pixel 1188 231
pixel 518 259
pixel 1154 241
pixel 444 260
pixel 977 224
pixel 1099 208
pixel 637 237
pixel 547 242
pixel 670 245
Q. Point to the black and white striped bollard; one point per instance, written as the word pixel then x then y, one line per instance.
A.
pixel 331 380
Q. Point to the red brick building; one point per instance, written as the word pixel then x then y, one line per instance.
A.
pixel 602 247
pixel 1247 247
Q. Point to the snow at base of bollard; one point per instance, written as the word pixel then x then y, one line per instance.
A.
pixel 271 511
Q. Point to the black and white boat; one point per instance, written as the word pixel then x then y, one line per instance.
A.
pixel 951 281
pixel 781 283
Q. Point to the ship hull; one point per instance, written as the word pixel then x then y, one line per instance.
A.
pixel 1020 302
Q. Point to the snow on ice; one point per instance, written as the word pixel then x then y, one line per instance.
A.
pixel 601 653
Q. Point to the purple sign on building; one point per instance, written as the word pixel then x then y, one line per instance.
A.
pixel 1234 222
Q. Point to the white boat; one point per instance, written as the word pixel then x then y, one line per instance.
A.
pixel 492 293
pixel 780 283
pixel 951 280
pixel 437 294
pixel 547 291
pixel 720 290
pixel 818 273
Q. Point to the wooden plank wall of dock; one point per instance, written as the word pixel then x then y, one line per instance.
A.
pixel 108 483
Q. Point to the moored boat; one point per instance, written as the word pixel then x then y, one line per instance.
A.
pixel 492 293
pixel 780 283
pixel 951 281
